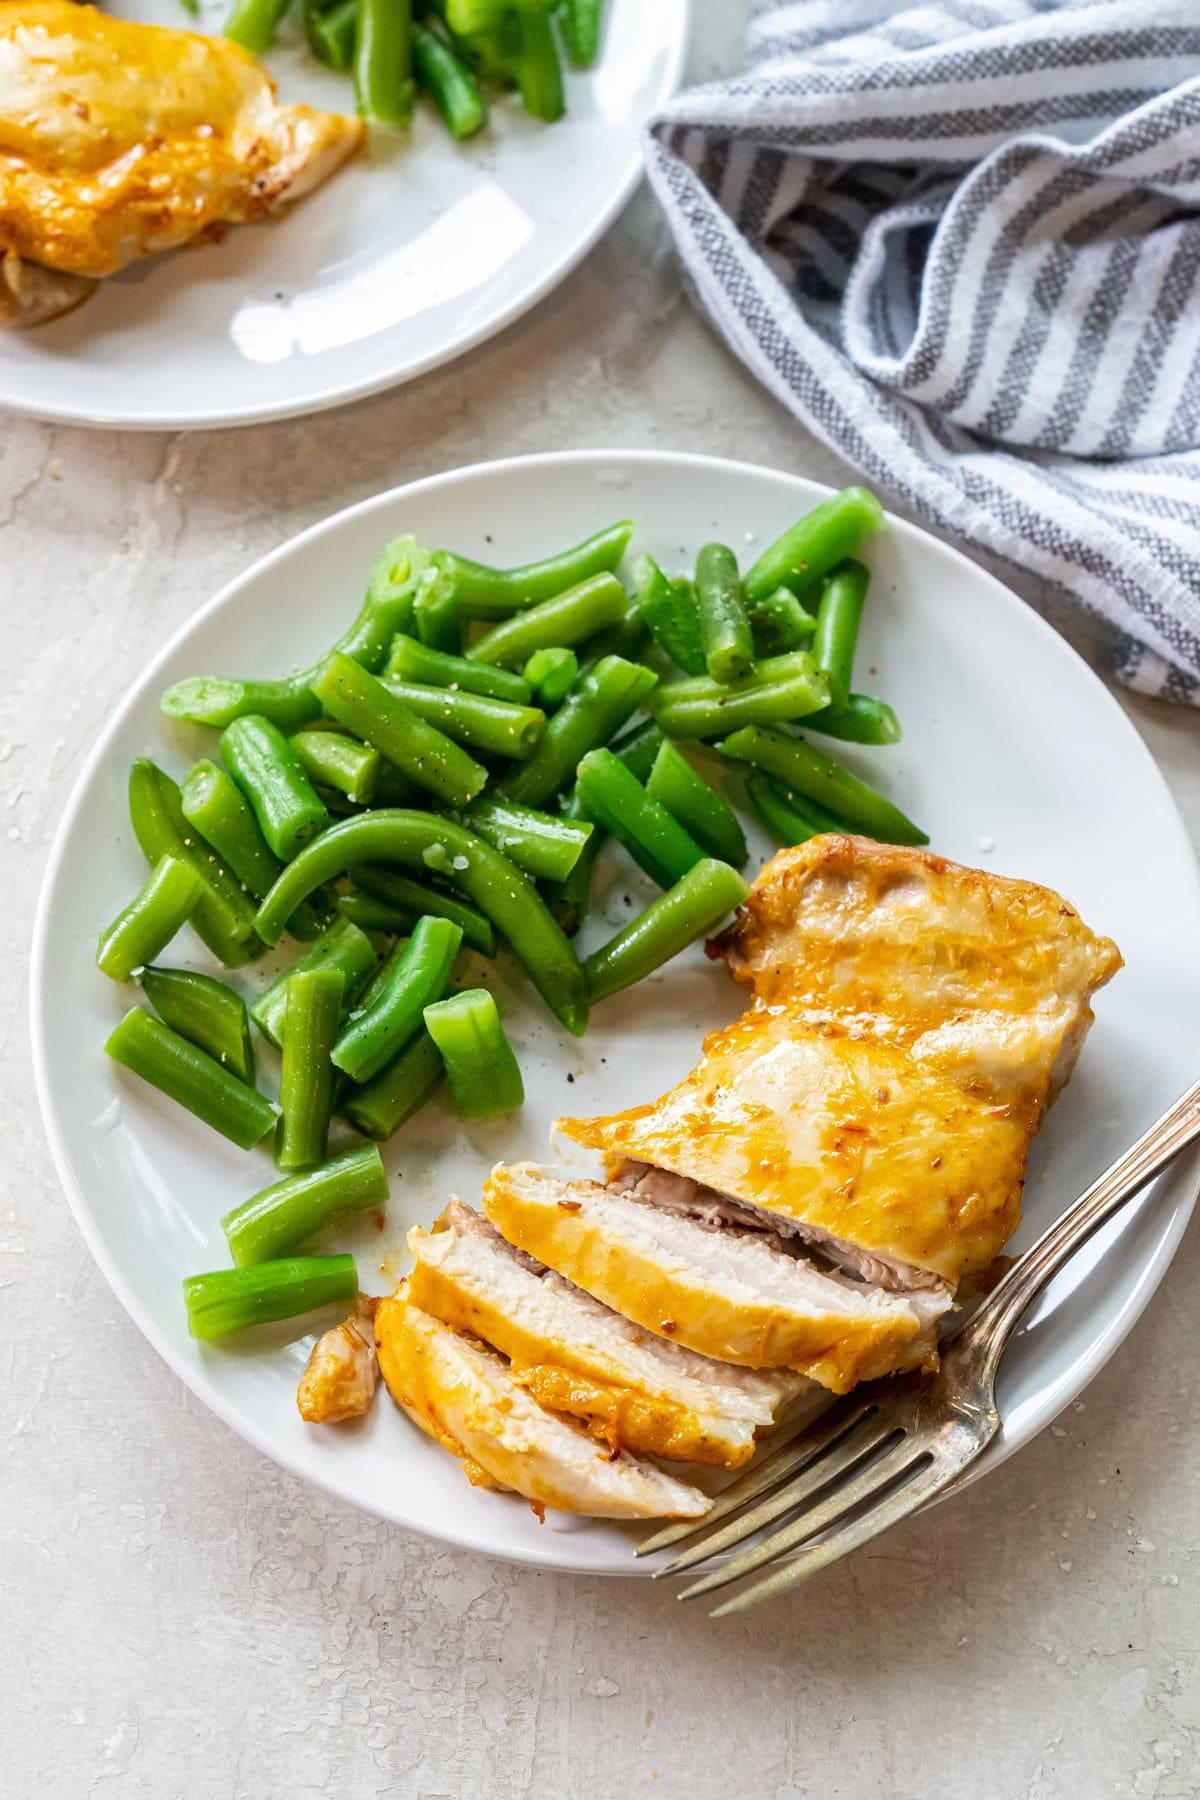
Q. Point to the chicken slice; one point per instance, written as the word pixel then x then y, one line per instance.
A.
pixel 912 1019
pixel 733 1295
pixel 634 1390
pixel 118 139
pixel 339 1381
pixel 465 1397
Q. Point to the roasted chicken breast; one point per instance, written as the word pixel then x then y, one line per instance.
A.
pixel 911 1021
pixel 118 139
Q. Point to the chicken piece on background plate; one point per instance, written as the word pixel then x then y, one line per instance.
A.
pixel 119 139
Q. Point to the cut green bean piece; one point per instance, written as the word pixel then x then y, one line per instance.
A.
pixel 289 1212
pixel 779 623
pixel 484 593
pixel 188 1075
pixel 812 775
pixel 669 609
pixel 569 618
pixel 617 800
pixel 330 32
pixel 333 760
pixel 698 807
pixel 579 22
pixel 254 23
pixel 417 978
pixel 226 1300
pixel 539 72
pixel 480 1066
pixel 214 803
pixel 416 899
pixel 495 726
pixel 628 637
pixel 370 914
pixel 725 633
pixel 687 911
pixel 782 687
pixel 289 703
pixel 343 946
pixel 206 1012
pixel 569 900
pixel 638 748
pixel 836 637
pixel 784 817
pixel 383 85
pixel 489 879
pixel 410 660
pixel 312 1013
pixel 545 845
pixel 551 674
pixel 448 81
pixel 861 720
pixel 266 768
pixel 435 613
pixel 223 917
pixel 603 700
pixel 146 926
pixel 814 544
pixel 419 750
pixel 380 1106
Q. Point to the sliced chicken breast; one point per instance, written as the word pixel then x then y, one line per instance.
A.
pixel 732 1295
pixel 339 1381
pixel 634 1390
pixel 464 1396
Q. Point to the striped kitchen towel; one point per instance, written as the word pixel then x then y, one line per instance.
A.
pixel 961 241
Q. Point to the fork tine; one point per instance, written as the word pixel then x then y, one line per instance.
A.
pixel 897 1506
pixel 812 1519
pixel 870 1433
pixel 806 1441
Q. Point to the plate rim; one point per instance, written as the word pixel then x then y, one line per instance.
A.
pixel 1107 1340
pixel 329 399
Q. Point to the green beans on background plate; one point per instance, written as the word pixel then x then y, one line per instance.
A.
pixel 419 750
pixel 616 799
pixel 697 806
pixel 725 634
pixel 416 975
pixel 689 910
pixel 225 1300
pixel 205 1011
pixel 602 701
pixel 188 1075
pixel 288 1213
pixel 266 768
pixel 803 768
pixel 312 1016
pixel 343 947
pixel 380 1106
pixel 814 544
pixel 485 593
pixel 497 727
pixel 416 898
pixel 223 916
pixel 411 660
pixel 780 688
pixel 566 619
pixel 149 922
pixel 480 1066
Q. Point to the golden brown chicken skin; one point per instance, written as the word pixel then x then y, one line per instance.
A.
pixel 119 139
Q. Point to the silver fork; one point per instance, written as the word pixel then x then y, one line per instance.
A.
pixel 893 1446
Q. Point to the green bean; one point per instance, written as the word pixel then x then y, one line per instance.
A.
pixel 669 609
pixel 226 1300
pixel 779 623
pixel 254 23
pixel 206 1012
pixel 330 32
pixel 813 776
pixel 383 87
pixel 343 946
pixel 580 26
pixel 146 926
pixel 395 789
pixel 628 637
pixel 782 687
pixel 782 816
pixel 724 627
pixel 539 72
pixel 638 747
pixel 861 720
pixel 415 899
pixel 617 800
pixel 812 546
pixel 449 83
pixel 380 1106
pixel 568 618
pixel 601 703
pixel 698 807
pixel 410 660
pixel 480 1066
pixel 333 760
pixel 484 593
pixel 418 977
pixel 569 900
pixel 544 844
pixel 485 723
pixel 312 1012
pixel 487 877
pixel 216 806
pixel 551 674
pixel 187 1074
pixel 669 924
pixel 223 917
pixel 289 1212
pixel 289 703
pixel 365 706
pixel 266 768
pixel 435 613
pixel 836 636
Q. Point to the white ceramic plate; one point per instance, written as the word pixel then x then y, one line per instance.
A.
pixel 404 259
pixel 1014 757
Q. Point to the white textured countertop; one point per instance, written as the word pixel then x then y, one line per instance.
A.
pixel 181 1618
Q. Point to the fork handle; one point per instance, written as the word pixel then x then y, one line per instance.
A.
pixel 994 1321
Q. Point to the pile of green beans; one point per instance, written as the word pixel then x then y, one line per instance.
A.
pixel 441 783
pixel 449 50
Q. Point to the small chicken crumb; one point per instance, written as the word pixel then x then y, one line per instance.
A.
pixel 339 1382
